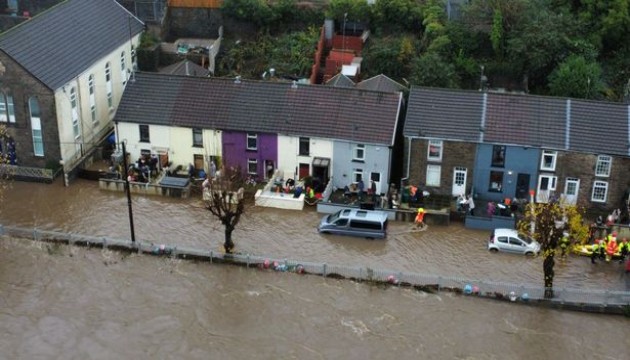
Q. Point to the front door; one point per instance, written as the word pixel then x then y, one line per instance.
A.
pixel 546 187
pixel 376 177
pixel 459 181
pixel 571 188
pixel 305 170
pixel 522 186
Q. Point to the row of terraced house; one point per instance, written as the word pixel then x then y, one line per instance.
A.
pixel 68 80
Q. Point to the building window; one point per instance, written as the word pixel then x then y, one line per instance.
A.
pixel 434 172
pixel 548 160
pixel 75 113
pixel 252 141
pixel 434 153
pixel 92 97
pixel 144 133
pixel 496 181
pixel 134 61
pixel 252 166
pixel 36 127
pixel 123 68
pixel 305 146
pixel 359 152
pixel 603 165
pixel 357 175
pixel 498 156
pixel 197 137
pixel 7 110
pixel 108 85
pixel 600 191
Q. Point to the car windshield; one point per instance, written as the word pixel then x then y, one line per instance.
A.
pixel 525 238
pixel 333 217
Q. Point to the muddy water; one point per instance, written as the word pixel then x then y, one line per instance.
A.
pixel 447 251
pixel 74 303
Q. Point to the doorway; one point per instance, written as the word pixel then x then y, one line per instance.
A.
pixel 459 181
pixel 522 186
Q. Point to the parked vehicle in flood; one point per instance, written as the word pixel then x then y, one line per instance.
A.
pixel 355 222
pixel 509 240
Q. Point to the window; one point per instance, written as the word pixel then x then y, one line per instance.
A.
pixel 548 160
pixel 434 173
pixel 134 61
pixel 75 113
pixel 92 97
pixel 434 153
pixel 252 141
pixel 123 70
pixel 252 166
pixel 305 146
pixel 108 85
pixel 496 181
pixel 357 175
pixel 600 191
pixel 144 133
pixel 7 110
pixel 359 152
pixel 197 137
pixel 36 127
pixel 498 156
pixel 603 165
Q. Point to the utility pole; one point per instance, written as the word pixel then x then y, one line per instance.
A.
pixel 128 190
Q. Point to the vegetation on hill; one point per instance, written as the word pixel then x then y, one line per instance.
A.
pixel 550 47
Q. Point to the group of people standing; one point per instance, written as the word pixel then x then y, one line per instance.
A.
pixel 605 249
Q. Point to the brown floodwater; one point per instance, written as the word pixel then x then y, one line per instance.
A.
pixel 61 302
pixel 441 250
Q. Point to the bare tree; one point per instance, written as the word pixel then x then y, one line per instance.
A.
pixel 223 197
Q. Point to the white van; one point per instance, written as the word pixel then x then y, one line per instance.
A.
pixel 355 222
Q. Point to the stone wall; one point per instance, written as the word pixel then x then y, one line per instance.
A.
pixel 582 166
pixel 15 80
pixel 454 154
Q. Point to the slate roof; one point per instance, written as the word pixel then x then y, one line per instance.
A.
pixel 340 80
pixel 523 119
pixel 261 106
pixel 185 67
pixel 445 114
pixel 518 119
pixel 381 83
pixel 62 42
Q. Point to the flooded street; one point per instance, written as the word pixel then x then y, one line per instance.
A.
pixel 65 302
pixel 441 250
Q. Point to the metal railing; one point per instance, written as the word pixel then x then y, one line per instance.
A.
pixel 592 300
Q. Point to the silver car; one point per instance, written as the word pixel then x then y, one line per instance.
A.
pixel 509 240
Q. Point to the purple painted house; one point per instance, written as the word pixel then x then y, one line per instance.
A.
pixel 255 153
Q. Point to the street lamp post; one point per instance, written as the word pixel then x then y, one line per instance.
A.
pixel 128 191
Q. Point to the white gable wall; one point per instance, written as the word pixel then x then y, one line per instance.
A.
pixel 289 158
pixel 91 131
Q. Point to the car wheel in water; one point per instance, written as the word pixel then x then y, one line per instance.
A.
pixel 494 250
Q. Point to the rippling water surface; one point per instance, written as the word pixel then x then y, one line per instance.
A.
pixel 60 302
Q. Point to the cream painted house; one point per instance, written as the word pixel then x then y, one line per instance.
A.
pixel 62 75
pixel 304 156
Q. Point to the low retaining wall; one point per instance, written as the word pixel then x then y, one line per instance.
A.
pixel 489 223
pixel 144 188
pixel 598 301
pixel 278 200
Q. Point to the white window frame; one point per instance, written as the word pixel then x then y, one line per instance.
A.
pixel 108 86
pixel 7 109
pixel 439 144
pixel 554 157
pixel 357 175
pixel 600 185
pixel 197 135
pixel 92 98
pixel 74 108
pixel 434 175
pixel 36 128
pixel 254 137
pixel 251 162
pixel 604 162
pixel 123 68
pixel 358 149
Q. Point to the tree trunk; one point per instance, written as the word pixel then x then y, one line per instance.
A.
pixel 548 264
pixel 228 245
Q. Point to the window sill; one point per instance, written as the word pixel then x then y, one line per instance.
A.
pixel 358 161
pixel 251 150
pixel 145 141
pixel 198 146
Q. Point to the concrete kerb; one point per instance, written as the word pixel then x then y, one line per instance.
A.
pixel 370 276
